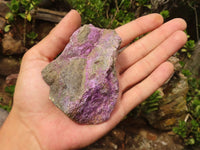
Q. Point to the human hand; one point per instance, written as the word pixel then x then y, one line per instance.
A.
pixel 142 69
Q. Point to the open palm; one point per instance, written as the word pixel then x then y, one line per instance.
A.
pixel 142 68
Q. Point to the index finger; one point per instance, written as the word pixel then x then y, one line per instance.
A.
pixel 135 28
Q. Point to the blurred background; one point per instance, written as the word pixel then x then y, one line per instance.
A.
pixel 169 119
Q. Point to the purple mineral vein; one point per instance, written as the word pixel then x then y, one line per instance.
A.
pixel 83 80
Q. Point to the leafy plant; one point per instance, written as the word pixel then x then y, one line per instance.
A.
pixel 9 16
pixel 7 28
pixel 189 130
pixel 188 48
pixel 15 6
pixel 165 14
pixel 32 36
pixel 111 13
pixel 186 72
pixel 144 3
pixel 10 89
pixel 105 14
pixel 181 130
pixel 23 9
pixel 151 103
pixel 6 107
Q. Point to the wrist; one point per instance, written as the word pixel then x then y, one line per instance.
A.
pixel 14 134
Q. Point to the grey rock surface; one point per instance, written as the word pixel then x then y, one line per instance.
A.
pixel 83 81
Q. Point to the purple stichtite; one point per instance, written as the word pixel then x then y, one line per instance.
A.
pixel 83 79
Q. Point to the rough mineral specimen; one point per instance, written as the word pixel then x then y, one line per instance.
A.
pixel 83 81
